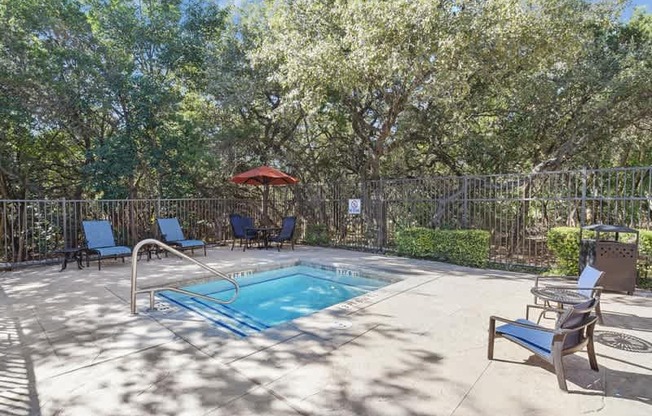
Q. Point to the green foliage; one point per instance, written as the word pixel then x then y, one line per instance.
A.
pixel 168 98
pixel 257 120
pixel 645 242
pixel 644 265
pixel 564 244
pixel 349 60
pixel 102 94
pixel 317 235
pixel 465 247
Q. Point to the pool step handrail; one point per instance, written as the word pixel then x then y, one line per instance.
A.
pixel 152 290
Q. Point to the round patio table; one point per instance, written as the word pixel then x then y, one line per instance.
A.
pixel 71 254
pixel 266 233
pixel 561 296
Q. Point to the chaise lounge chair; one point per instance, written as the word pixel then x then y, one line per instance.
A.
pixel 286 233
pixel 573 331
pixel 99 239
pixel 172 234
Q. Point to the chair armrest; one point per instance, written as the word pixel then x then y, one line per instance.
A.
pixel 521 324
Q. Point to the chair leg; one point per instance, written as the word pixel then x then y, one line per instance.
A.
pixel 233 244
pixel 547 304
pixel 590 348
pixel 204 251
pixel 598 312
pixel 558 363
pixel 99 262
pixel 492 337
pixel 527 313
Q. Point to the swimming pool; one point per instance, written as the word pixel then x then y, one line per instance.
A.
pixel 273 297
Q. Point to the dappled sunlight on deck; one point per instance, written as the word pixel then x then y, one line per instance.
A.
pixel 415 347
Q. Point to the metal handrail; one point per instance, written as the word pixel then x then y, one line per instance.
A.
pixel 153 290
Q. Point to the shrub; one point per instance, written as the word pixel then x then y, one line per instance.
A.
pixel 317 235
pixel 645 243
pixel 644 266
pixel 564 244
pixel 464 247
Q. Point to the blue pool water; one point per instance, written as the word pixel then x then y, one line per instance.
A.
pixel 273 297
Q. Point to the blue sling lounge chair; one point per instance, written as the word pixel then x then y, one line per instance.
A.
pixel 99 239
pixel 172 234
pixel 573 331
pixel 243 230
pixel 286 233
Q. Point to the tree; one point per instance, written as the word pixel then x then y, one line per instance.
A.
pixel 422 83
pixel 110 90
pixel 153 58
pixel 257 122
pixel 360 60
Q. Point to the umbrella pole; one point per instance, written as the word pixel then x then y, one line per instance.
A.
pixel 265 199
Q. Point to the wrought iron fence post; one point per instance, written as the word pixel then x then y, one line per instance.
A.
pixel 3 229
pixel 465 203
pixel 583 201
pixel 65 223
pixel 132 238
pixel 382 218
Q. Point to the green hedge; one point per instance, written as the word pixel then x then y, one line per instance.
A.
pixel 645 261
pixel 317 235
pixel 645 243
pixel 564 244
pixel 465 247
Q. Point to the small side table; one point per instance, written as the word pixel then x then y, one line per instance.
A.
pixel 71 254
pixel 558 295
pixel 561 296
pixel 148 250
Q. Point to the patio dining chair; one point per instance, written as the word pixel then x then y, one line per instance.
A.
pixel 586 286
pixel 172 234
pixel 286 233
pixel 99 238
pixel 573 331
pixel 243 230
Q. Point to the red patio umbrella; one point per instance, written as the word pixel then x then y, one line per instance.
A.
pixel 266 176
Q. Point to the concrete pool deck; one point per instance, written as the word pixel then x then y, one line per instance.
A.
pixel 69 346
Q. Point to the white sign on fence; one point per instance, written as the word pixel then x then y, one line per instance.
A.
pixel 354 206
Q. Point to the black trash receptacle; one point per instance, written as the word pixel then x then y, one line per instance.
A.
pixel 615 258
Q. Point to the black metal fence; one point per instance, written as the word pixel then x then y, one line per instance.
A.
pixel 517 210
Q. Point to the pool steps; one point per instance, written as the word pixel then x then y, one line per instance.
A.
pixel 235 322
